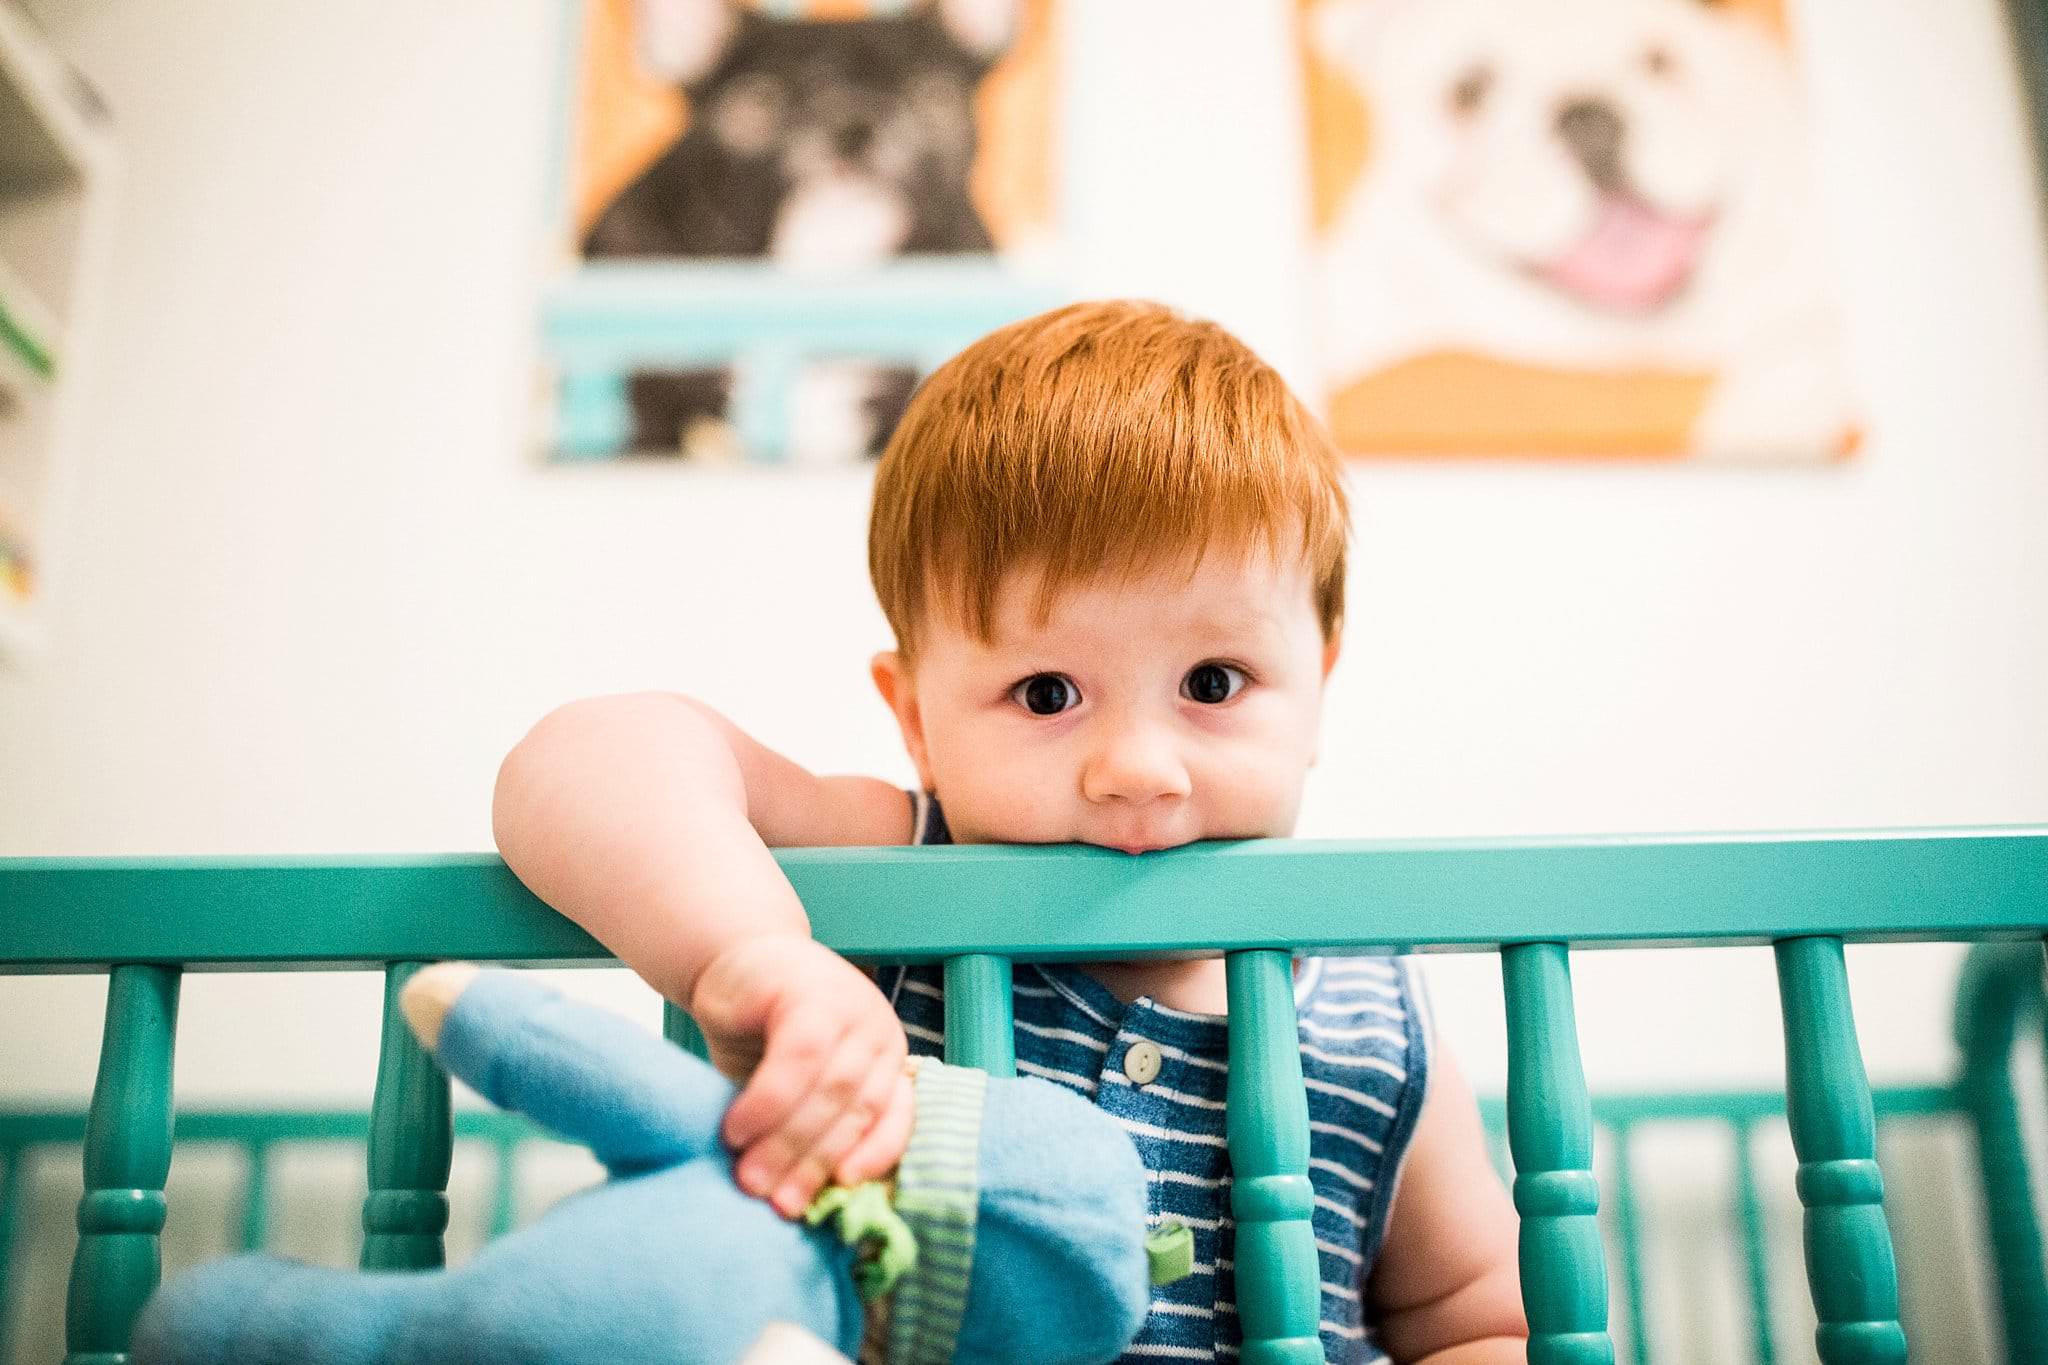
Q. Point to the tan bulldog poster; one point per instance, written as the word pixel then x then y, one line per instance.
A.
pixel 1581 228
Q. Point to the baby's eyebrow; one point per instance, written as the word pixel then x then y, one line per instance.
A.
pixel 1251 621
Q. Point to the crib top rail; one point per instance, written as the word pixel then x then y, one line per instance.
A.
pixel 1067 903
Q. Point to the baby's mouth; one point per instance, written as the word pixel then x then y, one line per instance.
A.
pixel 1635 258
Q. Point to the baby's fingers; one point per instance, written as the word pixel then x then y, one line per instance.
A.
pixel 846 1122
pixel 878 1153
pixel 787 1162
pixel 796 1054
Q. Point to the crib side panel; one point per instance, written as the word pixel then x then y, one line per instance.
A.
pixel 127 1157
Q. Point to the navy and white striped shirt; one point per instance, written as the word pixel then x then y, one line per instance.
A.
pixel 1364 1057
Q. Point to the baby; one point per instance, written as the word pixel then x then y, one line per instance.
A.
pixel 1111 546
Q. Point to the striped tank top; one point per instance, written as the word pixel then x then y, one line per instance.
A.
pixel 1161 1074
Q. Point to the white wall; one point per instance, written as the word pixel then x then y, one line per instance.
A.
pixel 316 586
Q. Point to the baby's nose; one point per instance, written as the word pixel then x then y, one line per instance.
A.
pixel 1135 766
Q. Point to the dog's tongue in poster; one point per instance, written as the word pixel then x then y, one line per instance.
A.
pixel 1634 259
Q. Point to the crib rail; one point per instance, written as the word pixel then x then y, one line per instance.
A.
pixel 1071 904
pixel 980 908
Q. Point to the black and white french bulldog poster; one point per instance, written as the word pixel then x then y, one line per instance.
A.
pixel 737 164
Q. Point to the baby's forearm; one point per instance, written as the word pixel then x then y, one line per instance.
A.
pixel 629 815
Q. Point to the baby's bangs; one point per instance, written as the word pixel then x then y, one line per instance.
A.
pixel 1098 441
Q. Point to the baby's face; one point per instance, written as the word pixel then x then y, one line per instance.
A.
pixel 1141 715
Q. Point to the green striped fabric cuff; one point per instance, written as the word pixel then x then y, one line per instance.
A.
pixel 937 1193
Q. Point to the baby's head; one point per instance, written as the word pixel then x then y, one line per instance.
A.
pixel 1111 544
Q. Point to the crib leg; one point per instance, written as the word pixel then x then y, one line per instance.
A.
pixel 127 1157
pixel 1834 1131
pixel 411 1145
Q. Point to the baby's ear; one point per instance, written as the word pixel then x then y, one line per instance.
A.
pixel 893 680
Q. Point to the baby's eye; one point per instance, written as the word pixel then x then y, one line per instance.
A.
pixel 1046 694
pixel 1212 683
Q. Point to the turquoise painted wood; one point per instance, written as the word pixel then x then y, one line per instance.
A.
pixel 1279 1274
pixel 1240 899
pixel 1749 1217
pixel 504 1185
pixel 1849 1262
pixel 2001 990
pixel 979 1027
pixel 679 1028
pixel 1628 1232
pixel 11 1183
pixel 1312 895
pixel 127 1157
pixel 256 1198
pixel 411 1145
pixel 1550 1131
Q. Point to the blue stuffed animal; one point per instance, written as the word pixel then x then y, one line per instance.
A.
pixel 1013 1232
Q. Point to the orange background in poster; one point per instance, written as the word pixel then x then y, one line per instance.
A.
pixel 1426 405
pixel 626 118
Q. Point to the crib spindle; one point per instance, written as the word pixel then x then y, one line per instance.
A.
pixel 980 1030
pixel 1628 1231
pixel 1834 1131
pixel 256 1197
pixel 679 1028
pixel 1550 1131
pixel 1999 986
pixel 127 1157
pixel 411 1144
pixel 1749 1215
pixel 11 1181
pixel 1279 1276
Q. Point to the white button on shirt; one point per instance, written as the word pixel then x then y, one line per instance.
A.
pixel 1141 1063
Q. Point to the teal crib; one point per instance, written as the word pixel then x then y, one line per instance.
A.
pixel 980 909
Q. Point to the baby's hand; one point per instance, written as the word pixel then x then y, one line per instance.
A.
pixel 820 1054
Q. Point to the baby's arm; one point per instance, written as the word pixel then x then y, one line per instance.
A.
pixel 1445 1287
pixel 647 819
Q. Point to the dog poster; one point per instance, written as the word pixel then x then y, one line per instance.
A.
pixel 776 216
pixel 1585 228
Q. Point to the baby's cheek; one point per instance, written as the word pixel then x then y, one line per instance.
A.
pixel 1260 797
pixel 1010 806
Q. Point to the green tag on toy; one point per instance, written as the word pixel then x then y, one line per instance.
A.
pixel 884 1246
pixel 1171 1253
